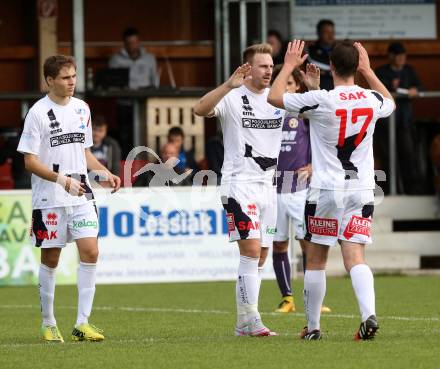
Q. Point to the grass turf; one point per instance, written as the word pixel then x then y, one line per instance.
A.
pixel 191 326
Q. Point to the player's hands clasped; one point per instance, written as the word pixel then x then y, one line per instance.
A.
pixel 72 185
pixel 294 57
pixel 311 77
pixel 241 74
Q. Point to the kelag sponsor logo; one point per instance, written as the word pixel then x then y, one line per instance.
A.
pixel 147 222
pixel 85 224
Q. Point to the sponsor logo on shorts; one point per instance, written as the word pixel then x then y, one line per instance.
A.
pixel 323 226
pixel 231 222
pixel 271 230
pixel 45 235
pixel 51 219
pixel 248 225
pixel 358 225
pixel 85 224
pixel 252 209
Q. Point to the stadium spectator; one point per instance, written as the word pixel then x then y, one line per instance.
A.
pixel 401 78
pixel 215 153
pixel 252 137
pixel 275 40
pixel 165 172
pixel 340 201
pixel 176 136
pixel 56 142
pixel 105 148
pixel 142 74
pixel 319 52
pixel 9 156
pixel 141 64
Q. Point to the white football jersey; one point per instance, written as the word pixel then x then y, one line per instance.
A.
pixel 58 135
pixel 251 136
pixel 342 123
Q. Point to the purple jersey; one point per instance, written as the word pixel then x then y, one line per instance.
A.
pixel 295 153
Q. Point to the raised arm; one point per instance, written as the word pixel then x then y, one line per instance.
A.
pixel 205 106
pixel 292 60
pixel 365 69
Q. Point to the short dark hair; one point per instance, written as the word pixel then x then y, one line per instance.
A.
pixel 175 131
pixel 53 64
pixel 275 33
pixel 322 23
pixel 249 52
pixel 130 31
pixel 99 121
pixel 345 59
pixel 396 48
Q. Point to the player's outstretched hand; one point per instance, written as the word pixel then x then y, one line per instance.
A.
pixel 72 185
pixel 294 57
pixel 311 77
pixel 241 74
pixel 364 60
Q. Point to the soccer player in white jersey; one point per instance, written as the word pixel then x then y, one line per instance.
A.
pixel 340 201
pixel 56 142
pixel 252 138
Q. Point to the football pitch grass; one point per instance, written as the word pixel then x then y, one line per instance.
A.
pixel 190 325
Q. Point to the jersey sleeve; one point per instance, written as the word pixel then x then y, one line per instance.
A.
pixel 385 106
pixel 220 108
pixel 89 136
pixel 30 139
pixel 306 103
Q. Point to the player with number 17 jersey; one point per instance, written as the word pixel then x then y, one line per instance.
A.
pixel 342 123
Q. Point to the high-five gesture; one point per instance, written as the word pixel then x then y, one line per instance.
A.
pixel 294 57
pixel 311 77
pixel 241 74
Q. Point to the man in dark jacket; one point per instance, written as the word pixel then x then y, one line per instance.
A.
pixel 401 78
pixel 319 52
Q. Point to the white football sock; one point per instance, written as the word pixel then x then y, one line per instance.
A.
pixel 86 291
pixel 247 290
pixel 46 278
pixel 314 292
pixel 260 276
pixel 363 284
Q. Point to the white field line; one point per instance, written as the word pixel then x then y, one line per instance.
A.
pixel 199 311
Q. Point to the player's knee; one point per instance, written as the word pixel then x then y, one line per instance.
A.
pixel 280 247
pixel 90 256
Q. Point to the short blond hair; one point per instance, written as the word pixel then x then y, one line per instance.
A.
pixel 249 52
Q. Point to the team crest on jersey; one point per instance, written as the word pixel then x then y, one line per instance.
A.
pixel 80 111
pixel 277 112
pixel 293 123
pixel 323 226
